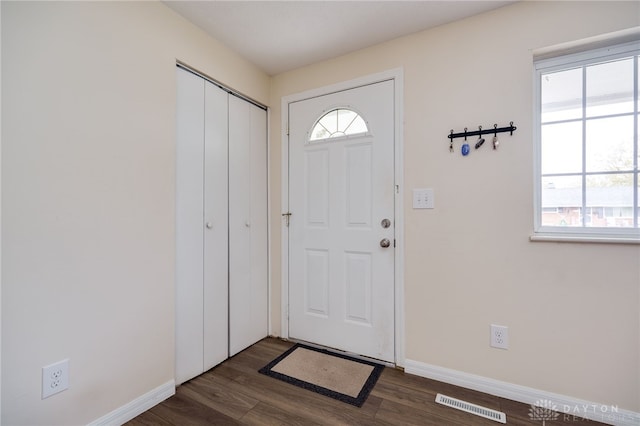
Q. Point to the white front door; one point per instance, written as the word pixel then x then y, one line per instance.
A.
pixel 342 227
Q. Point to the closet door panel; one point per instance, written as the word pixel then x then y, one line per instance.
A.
pixel 259 226
pixel 239 225
pixel 216 277
pixel 189 227
pixel 247 225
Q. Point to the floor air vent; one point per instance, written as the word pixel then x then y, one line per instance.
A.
pixel 478 410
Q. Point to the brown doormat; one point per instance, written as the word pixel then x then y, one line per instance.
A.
pixel 331 374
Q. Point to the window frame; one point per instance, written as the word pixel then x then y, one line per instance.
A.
pixel 565 62
pixel 342 137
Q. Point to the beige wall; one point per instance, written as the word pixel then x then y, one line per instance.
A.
pixel 572 309
pixel 88 175
pixel 88 107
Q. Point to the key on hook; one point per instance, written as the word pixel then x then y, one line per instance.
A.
pixel 481 140
pixel 451 142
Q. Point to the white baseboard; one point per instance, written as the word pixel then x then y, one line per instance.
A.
pixel 564 404
pixel 121 415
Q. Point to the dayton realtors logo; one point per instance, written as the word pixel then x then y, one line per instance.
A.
pixel 543 410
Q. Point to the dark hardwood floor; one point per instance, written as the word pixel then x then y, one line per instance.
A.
pixel 235 393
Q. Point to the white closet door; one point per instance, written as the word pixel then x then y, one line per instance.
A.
pixel 189 226
pixel 248 292
pixel 202 278
pixel 221 225
pixel 216 234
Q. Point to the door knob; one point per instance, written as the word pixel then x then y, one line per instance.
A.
pixel 209 225
pixel 385 223
pixel 385 242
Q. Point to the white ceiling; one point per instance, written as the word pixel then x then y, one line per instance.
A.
pixel 280 36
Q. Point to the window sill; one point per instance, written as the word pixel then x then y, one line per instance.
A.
pixel 574 238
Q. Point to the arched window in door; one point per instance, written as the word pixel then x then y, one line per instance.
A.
pixel 337 123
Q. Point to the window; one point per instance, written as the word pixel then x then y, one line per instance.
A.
pixel 337 123
pixel 587 152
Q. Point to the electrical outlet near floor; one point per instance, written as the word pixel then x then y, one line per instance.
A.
pixel 499 336
pixel 55 378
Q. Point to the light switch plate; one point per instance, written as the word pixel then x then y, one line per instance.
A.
pixel 423 198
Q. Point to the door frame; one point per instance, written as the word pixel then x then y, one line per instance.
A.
pixel 397 75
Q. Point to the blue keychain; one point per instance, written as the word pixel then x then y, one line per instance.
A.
pixel 465 145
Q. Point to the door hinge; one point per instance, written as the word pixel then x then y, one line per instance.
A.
pixel 287 217
pixel 394 242
pixel 287 129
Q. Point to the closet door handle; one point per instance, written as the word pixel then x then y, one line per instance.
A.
pixel 247 224
pixel 209 225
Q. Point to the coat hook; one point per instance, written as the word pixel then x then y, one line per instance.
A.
pixel 451 142
pixel 465 133
pixel 511 124
pixel 495 130
pixel 480 138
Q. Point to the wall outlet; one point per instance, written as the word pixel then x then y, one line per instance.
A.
pixel 55 378
pixel 499 336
